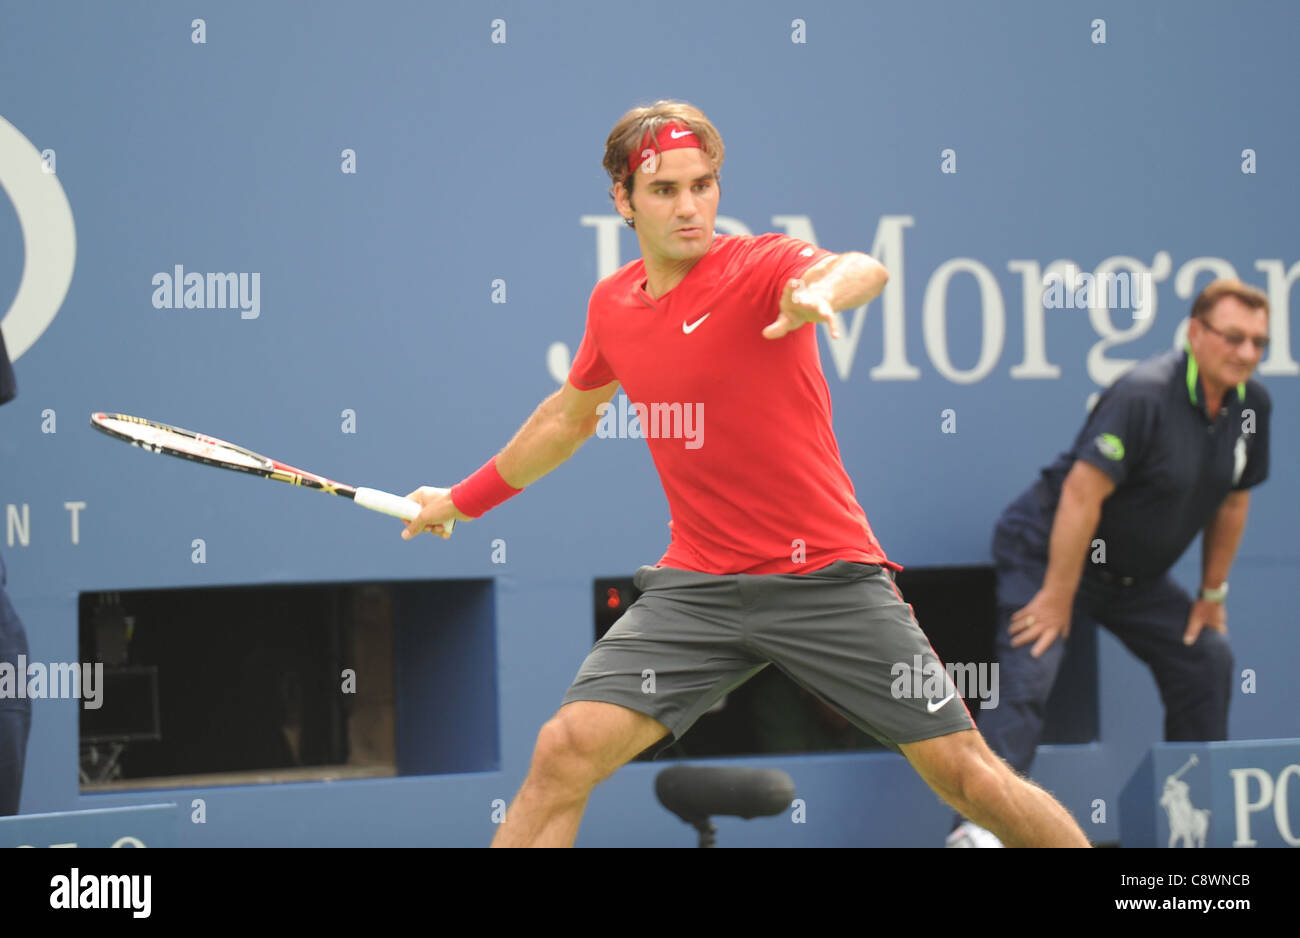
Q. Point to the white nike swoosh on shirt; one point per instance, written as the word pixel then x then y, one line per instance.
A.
pixel 934 707
pixel 691 328
pixel 677 136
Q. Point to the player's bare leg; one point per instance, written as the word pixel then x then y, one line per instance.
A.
pixel 968 775
pixel 581 746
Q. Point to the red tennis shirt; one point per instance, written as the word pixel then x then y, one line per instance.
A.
pixel 739 426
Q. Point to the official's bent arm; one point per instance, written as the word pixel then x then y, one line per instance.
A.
pixel 1222 535
pixel 1077 516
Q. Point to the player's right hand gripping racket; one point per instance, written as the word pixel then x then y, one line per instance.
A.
pixel 161 438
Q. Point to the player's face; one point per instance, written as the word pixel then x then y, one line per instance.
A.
pixel 674 202
pixel 1224 345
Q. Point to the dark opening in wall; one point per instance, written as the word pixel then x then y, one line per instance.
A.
pixel 231 685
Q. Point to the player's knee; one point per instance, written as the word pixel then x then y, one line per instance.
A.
pixel 988 785
pixel 567 754
pixel 953 766
pixel 978 779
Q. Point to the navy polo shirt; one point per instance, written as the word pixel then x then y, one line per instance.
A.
pixel 8 385
pixel 1172 464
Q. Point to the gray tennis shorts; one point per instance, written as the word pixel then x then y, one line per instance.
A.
pixel 843 633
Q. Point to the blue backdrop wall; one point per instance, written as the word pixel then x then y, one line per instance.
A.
pixel 380 171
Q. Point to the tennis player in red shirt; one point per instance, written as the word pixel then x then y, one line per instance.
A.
pixel 772 560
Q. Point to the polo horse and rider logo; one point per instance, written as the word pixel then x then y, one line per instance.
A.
pixel 1186 822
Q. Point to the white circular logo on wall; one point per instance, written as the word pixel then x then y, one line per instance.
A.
pixel 49 240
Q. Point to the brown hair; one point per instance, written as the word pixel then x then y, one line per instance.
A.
pixel 629 133
pixel 1227 286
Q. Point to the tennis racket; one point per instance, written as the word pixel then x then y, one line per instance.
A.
pixel 173 441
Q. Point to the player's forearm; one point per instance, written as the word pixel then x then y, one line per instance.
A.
pixel 546 440
pixel 1076 521
pixel 1222 535
pixel 851 280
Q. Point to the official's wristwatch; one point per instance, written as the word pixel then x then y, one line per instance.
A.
pixel 1216 595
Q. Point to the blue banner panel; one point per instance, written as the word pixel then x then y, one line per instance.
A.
pixel 1224 794
pixel 152 825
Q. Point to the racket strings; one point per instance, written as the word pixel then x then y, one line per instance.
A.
pixel 154 437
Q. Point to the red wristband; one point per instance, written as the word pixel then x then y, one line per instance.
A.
pixel 479 493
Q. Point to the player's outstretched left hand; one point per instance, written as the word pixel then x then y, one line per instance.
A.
pixel 800 304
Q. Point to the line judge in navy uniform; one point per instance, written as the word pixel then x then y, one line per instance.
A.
pixel 1170 450
pixel 15 713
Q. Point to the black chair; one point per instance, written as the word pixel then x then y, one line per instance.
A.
pixel 697 793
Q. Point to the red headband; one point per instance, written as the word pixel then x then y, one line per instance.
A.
pixel 671 137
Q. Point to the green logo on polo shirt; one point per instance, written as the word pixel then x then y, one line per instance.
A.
pixel 1111 446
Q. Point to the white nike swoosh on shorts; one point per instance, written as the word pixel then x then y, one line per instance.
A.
pixel 936 707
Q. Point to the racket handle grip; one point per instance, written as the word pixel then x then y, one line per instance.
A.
pixel 391 504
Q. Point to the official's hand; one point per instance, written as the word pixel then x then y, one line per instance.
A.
pixel 438 510
pixel 801 303
pixel 1205 615
pixel 1043 621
